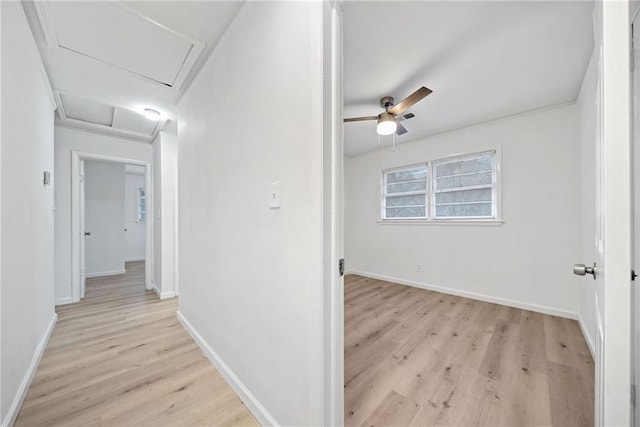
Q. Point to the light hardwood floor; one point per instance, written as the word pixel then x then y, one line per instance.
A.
pixel 416 357
pixel 120 357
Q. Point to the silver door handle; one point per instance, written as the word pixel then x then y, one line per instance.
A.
pixel 583 270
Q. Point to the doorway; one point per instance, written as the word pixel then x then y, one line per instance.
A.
pixel 88 214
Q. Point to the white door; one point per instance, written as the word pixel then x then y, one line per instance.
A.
pixel 613 209
pixel 82 200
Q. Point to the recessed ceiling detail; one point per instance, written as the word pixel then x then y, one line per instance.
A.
pixel 87 111
pixel 98 117
pixel 114 34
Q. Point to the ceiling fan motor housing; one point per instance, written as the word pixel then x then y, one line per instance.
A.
pixel 386 102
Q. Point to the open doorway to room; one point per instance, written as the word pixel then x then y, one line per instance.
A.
pixel 463 221
pixel 110 223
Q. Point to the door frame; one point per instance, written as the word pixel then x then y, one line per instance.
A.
pixel 333 219
pixel 77 160
pixel 613 403
pixel 635 107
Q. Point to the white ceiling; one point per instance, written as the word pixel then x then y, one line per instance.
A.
pixel 483 61
pixel 127 55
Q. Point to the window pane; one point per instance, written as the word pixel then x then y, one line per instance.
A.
pixel 478 164
pixel 410 174
pixel 417 212
pixel 414 200
pixel 482 194
pixel 403 187
pixel 476 209
pixel 483 178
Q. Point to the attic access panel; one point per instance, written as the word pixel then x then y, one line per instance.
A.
pixel 87 110
pixel 117 36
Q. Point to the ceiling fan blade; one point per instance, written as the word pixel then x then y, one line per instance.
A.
pixel 360 119
pixel 400 130
pixel 410 100
pixel 405 117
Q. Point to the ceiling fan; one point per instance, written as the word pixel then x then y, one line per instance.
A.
pixel 389 120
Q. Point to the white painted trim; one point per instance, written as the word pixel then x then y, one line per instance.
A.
pixel 472 295
pixel 333 210
pixel 105 273
pixel 249 399
pixel 76 157
pixel 587 337
pixel 18 400
pixel 43 14
pixel 163 295
pixel 476 222
pixel 133 259
pixel 64 301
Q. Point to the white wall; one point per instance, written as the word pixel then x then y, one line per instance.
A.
pixel 587 121
pixel 27 299
pixel 66 141
pixel 165 157
pixel 524 262
pixel 104 216
pixel 251 276
pixel 135 234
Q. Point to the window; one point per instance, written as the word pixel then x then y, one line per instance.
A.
pixel 462 187
pixel 142 204
pixel 405 192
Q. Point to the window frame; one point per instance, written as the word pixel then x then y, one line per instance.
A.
pixel 383 205
pixel 141 215
pixel 430 211
pixel 493 185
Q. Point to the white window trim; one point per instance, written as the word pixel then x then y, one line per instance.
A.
pixel 494 220
pixel 383 192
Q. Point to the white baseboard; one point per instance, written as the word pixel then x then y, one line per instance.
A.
pixel 63 301
pixel 587 337
pixel 18 400
pixel 105 273
pixel 251 402
pixel 473 295
pixel 163 295
pixel 133 259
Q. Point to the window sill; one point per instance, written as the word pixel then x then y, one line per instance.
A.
pixel 477 222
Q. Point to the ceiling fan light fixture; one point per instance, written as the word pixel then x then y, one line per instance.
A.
pixel 386 124
pixel 151 114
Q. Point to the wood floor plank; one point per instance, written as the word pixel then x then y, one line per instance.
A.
pixel 120 357
pixel 395 410
pixel 423 358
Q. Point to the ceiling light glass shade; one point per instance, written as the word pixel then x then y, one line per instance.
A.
pixel 386 124
pixel 151 114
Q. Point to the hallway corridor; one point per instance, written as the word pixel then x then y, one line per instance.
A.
pixel 120 357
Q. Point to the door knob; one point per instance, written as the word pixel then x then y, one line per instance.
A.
pixel 583 270
pixel 87 233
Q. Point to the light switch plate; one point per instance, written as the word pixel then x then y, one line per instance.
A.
pixel 274 195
